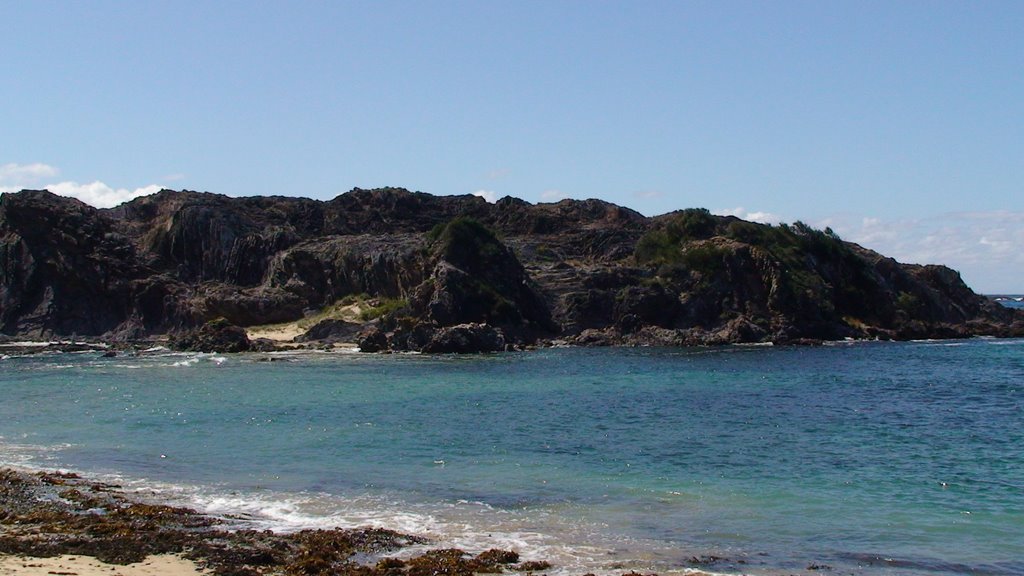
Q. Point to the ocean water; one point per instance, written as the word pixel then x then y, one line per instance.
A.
pixel 1013 301
pixel 867 458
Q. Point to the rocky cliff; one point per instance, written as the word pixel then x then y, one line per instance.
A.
pixel 506 274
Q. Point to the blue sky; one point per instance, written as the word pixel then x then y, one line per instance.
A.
pixel 901 125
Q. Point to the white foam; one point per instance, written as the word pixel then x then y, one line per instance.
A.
pixel 572 546
pixel 26 456
pixel 1013 342
pixel 26 344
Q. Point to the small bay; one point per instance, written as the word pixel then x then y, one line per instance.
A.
pixel 872 458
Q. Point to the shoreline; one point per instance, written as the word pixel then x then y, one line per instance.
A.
pixel 59 523
pixel 11 346
pixel 54 522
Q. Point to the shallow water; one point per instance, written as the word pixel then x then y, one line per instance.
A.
pixel 872 458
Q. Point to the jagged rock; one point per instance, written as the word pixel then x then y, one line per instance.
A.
pixel 479 279
pixel 330 330
pixel 325 269
pixel 263 345
pixel 739 330
pixel 215 336
pixel 413 338
pixel 595 337
pixel 465 339
pixel 64 268
pixel 372 339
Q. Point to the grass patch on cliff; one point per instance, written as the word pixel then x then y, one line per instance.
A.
pixel 384 307
pixel 663 246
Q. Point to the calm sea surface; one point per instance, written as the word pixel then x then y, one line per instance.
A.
pixel 870 458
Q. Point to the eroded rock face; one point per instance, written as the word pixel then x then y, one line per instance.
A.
pixel 477 278
pixel 587 272
pixel 64 268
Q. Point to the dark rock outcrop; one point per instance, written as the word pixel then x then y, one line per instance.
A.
pixel 214 336
pixel 586 272
pixel 372 339
pixel 476 278
pixel 331 330
pixel 64 268
pixel 465 338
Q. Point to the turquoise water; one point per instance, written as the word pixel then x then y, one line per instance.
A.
pixel 874 458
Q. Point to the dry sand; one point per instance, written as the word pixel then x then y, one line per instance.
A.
pixel 162 565
pixel 280 333
pixel 284 333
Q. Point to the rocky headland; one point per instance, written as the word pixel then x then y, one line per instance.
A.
pixel 392 269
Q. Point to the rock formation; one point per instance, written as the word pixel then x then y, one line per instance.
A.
pixel 455 273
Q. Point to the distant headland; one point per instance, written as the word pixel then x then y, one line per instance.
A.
pixel 391 269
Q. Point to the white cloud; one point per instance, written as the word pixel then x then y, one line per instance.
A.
pixel 489 195
pixel 19 176
pixel 99 194
pixel 647 194
pixel 15 177
pixel 744 214
pixel 553 195
pixel 986 247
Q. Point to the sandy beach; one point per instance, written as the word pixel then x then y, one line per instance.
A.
pixel 68 565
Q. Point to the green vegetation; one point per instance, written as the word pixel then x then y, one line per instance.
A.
pixel 350 299
pixel 693 224
pixel 908 303
pixel 384 307
pixel 818 273
pixel 707 258
pixel 465 242
pixel 657 247
pixel 663 246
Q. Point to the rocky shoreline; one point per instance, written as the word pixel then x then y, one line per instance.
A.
pixel 84 527
pixel 460 339
pixel 49 514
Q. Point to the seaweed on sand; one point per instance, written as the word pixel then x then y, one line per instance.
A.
pixel 49 514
